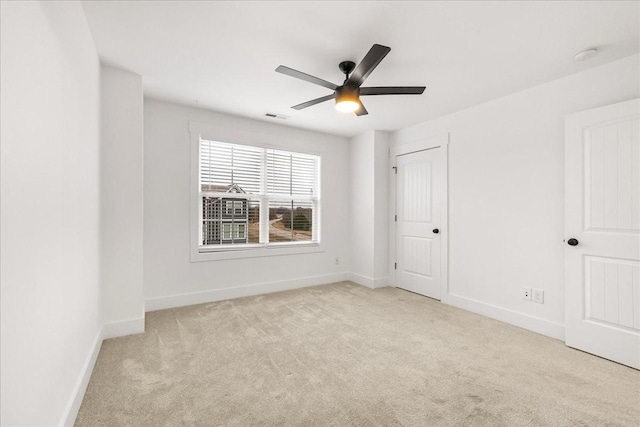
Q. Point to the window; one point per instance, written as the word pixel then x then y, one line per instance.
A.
pixel 239 231
pixel 226 231
pixel 233 231
pixel 253 197
pixel 234 207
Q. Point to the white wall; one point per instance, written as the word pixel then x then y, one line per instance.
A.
pixel 506 175
pixel 170 278
pixel 369 192
pixel 121 165
pixel 381 208
pixel 50 217
pixel 361 218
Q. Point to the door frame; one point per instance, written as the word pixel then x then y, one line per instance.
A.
pixel 424 143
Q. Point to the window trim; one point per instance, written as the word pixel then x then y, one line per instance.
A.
pixel 198 130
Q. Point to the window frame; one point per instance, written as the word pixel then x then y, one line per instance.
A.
pixel 198 131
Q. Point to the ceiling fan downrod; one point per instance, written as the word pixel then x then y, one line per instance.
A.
pixel 347 67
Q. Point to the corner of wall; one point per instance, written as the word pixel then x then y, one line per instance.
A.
pixel 77 395
pixel 123 327
pixel 369 282
pixel 122 198
pixel 381 203
pixel 369 213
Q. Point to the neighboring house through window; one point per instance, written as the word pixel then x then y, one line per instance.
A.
pixel 224 220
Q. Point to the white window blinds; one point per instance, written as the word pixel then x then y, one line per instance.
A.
pixel 287 173
pixel 291 174
pixel 223 165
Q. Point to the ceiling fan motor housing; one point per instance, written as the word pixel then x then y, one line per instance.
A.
pixel 347 93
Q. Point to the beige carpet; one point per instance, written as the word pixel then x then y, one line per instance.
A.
pixel 344 355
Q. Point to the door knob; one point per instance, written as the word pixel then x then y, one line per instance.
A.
pixel 572 242
pixel 436 231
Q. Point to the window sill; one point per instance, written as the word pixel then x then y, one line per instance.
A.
pixel 215 254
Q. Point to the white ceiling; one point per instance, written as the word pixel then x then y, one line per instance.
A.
pixel 222 55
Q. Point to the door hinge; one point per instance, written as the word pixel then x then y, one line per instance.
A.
pixel 396 218
pixel 395 265
pixel 395 169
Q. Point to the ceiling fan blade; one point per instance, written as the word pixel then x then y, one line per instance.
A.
pixel 361 111
pixel 313 102
pixel 392 90
pixel 368 64
pixel 306 77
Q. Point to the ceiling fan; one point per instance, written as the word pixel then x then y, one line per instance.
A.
pixel 347 95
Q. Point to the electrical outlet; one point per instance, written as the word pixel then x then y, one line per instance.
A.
pixel 538 296
pixel 337 260
pixel 526 294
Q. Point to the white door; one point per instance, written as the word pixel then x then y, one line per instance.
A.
pixel 418 220
pixel 602 232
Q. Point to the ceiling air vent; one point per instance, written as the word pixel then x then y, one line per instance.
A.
pixel 277 116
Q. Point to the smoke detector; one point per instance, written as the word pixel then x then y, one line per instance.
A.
pixel 586 54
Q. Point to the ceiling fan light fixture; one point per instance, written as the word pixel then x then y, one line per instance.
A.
pixel 346 106
pixel 347 100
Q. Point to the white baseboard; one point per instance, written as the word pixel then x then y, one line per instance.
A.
pixel 535 324
pixel 180 300
pixel 369 282
pixel 71 411
pixel 108 330
pixel 123 328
